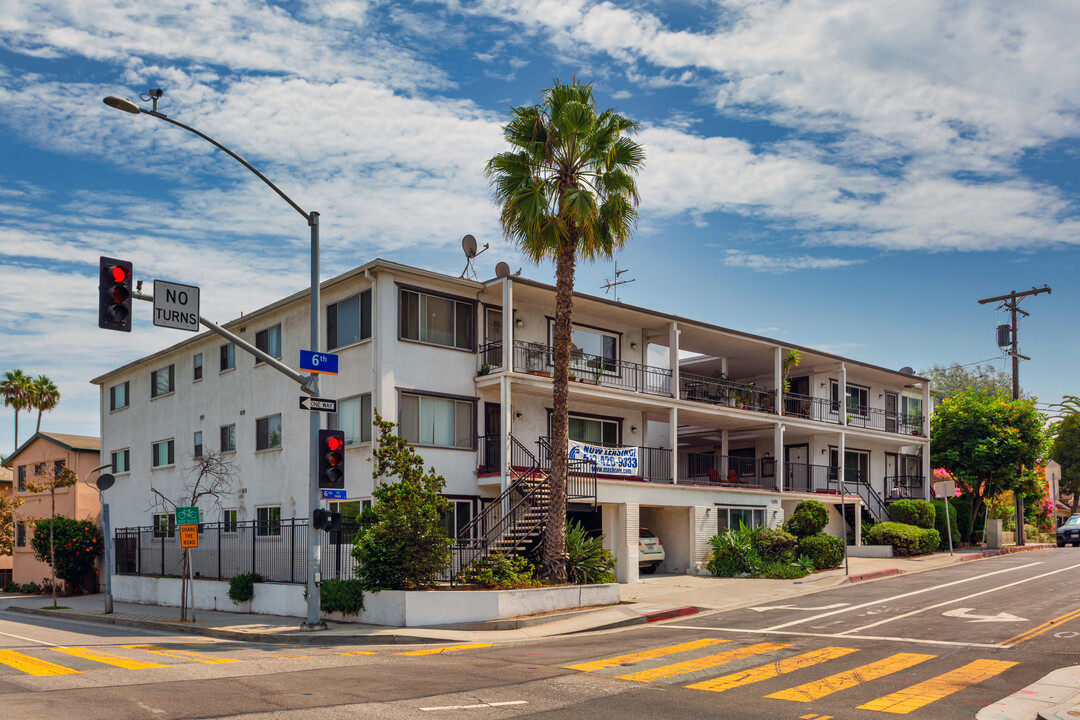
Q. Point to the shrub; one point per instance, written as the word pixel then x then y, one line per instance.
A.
pixel 912 512
pixel 343 596
pixel 31 588
pixel 242 587
pixel 734 553
pixel 775 545
pixel 939 523
pixel 1030 532
pixel 906 540
pixel 404 547
pixel 810 518
pixel 781 571
pixel 77 543
pixel 11 587
pixel 499 572
pixel 824 551
pixel 587 562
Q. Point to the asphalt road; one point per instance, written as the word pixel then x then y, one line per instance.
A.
pixel 940 644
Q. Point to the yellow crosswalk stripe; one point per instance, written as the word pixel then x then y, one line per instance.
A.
pixel 107 658
pixel 644 655
pixel 771 670
pixel 452 648
pixel 851 678
pixel 926 692
pixel 182 654
pixel 709 661
pixel 33 666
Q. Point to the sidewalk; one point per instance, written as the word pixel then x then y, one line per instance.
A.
pixel 656 598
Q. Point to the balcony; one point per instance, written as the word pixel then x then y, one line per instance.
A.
pixel 653 463
pixel 901 487
pixel 724 471
pixel 727 393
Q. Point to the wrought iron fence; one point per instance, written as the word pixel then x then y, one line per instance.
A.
pixel 899 487
pixel 727 471
pixel 278 551
pixel 716 391
pixel 530 357
pixel 809 408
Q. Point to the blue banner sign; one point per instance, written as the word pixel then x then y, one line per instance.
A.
pixel 609 460
pixel 316 362
pixel 333 494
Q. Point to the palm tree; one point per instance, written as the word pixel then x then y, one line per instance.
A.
pixel 16 389
pixel 45 396
pixel 565 190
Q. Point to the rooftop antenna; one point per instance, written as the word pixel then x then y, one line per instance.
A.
pixel 614 283
pixel 468 246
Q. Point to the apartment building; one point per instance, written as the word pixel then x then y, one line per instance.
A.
pixel 679 426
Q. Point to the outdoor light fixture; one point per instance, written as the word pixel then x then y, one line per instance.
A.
pixel 122 104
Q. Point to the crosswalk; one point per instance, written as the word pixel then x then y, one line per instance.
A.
pixel 765 662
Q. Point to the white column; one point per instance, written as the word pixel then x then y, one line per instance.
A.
pixel 778 378
pixel 673 357
pixel 506 427
pixel 927 471
pixel 778 453
pixel 508 324
pixel 673 436
pixel 724 444
pixel 626 542
pixel 702 527
pixel 842 397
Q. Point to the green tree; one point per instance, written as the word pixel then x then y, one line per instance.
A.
pixel 565 191
pixel 947 380
pixel 16 387
pixel 78 543
pixel 9 503
pixel 983 439
pixel 41 481
pixel 1065 451
pixel 44 396
pixel 404 546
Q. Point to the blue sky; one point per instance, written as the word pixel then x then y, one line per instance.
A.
pixel 851 176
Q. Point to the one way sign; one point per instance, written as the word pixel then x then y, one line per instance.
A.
pixel 318 404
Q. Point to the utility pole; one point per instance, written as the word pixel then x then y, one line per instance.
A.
pixel 1011 303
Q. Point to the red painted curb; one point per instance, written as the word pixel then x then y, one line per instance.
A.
pixel 672 613
pixel 875 574
pixel 1003 551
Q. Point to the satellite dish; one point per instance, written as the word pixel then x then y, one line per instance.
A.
pixel 502 270
pixel 906 371
pixel 104 482
pixel 468 244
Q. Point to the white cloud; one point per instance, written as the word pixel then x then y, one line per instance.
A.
pixel 765 263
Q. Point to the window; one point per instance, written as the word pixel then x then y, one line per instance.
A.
pixel 348 321
pixel 913 411
pixel 197 452
pixel 39 469
pixel 437 320
pixel 596 431
pixel 268 521
pixel 228 520
pixel 592 350
pixel 161 453
pixel 856 465
pixel 268 433
pixel 269 341
pixel 196 367
pixel 121 461
pixel 228 438
pixel 858 399
pixel 58 467
pixel 118 396
pixel 730 518
pixel 165 525
pixel 161 382
pixel 454 521
pixel 228 357
pixel 354 418
pixel 441 422
pixel 20 534
pixel 22 478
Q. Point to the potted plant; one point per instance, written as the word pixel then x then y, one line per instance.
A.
pixel 485 369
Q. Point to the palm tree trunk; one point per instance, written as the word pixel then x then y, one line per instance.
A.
pixel 38 428
pixel 16 430
pixel 555 531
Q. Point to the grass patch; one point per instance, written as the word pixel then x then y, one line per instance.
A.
pixel 58 607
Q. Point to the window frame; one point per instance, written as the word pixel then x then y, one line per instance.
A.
pixel 861 390
pixel 267 333
pixel 21 535
pixel 229 525
pixel 270 528
pixel 171 453
pixel 333 421
pixel 471 401
pixel 280 433
pixel 232 438
pixel 604 419
pixel 197 367
pixel 126 454
pixel 608 366
pixel 422 292
pixel 21 472
pixel 154 376
pixel 113 407
pixel 164 525
pixel 363 315
pixel 197 445
pixel 226 354
pixel 725 510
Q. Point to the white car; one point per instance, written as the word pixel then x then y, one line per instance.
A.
pixel 650 551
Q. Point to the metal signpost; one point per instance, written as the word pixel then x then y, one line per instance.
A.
pixel 943 490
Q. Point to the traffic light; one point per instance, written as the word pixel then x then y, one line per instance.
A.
pixel 326 520
pixel 332 459
pixel 114 295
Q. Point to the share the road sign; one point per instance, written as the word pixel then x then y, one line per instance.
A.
pixel 316 362
pixel 314 404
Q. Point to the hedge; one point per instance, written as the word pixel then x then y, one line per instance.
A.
pixel 906 540
pixel 810 518
pixel 939 522
pixel 912 512
pixel 826 551
pixel 775 545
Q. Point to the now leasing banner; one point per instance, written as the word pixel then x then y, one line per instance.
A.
pixel 609 460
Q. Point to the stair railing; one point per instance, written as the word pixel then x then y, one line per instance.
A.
pixel 869 495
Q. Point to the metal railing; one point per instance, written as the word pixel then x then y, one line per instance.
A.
pixel 654 463
pixel 276 550
pixel 727 471
pixel 530 357
pixel 491 355
pixel 488 454
pixel 581 473
pixel 862 416
pixel 800 477
pixel 900 487
pixel 809 408
pixel 727 393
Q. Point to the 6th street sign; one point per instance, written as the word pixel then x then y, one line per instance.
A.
pixel 176 306
pixel 318 404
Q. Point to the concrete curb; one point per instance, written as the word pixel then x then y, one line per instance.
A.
pixel 672 613
pixel 1003 551
pixel 873 575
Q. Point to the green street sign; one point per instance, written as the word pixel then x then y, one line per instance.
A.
pixel 187 516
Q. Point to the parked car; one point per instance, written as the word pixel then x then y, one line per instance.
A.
pixel 650 551
pixel 1069 532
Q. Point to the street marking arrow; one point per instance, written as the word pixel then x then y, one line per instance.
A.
pixel 795 607
pixel 965 614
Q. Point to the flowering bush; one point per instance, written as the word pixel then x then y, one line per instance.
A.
pixel 77 544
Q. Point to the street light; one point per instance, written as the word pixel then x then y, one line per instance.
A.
pixel 314 496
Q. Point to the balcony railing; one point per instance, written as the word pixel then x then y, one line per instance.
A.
pixel 530 357
pixel 873 418
pixel 725 471
pixel 809 408
pixel 900 487
pixel 654 464
pixel 728 393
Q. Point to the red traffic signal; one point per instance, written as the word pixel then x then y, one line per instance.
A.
pixel 114 294
pixel 331 459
